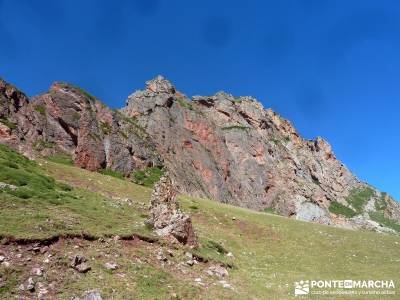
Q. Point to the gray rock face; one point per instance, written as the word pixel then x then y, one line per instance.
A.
pixel 235 151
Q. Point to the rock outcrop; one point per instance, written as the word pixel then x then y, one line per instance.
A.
pixel 222 147
pixel 68 120
pixel 165 216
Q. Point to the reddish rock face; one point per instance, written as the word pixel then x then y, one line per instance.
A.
pixel 221 147
pixel 68 120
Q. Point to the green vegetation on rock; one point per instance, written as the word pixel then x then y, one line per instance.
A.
pixel 40 109
pixel 359 197
pixel 380 203
pixel 42 144
pixel 184 103
pixel 147 177
pixel 8 123
pixel 105 128
pixel 379 217
pixel 340 209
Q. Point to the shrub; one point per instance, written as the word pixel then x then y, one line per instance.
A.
pixel 340 209
pixel 40 109
pixel 105 128
pixel 185 103
pixel 147 177
pixel 359 197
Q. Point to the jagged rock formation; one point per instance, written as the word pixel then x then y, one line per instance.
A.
pixel 226 148
pixel 68 120
pixel 166 217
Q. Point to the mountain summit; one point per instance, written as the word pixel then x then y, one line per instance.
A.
pixel 230 149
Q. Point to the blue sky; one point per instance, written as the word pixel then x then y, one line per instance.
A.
pixel 331 67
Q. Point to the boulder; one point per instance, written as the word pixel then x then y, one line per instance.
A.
pixel 165 215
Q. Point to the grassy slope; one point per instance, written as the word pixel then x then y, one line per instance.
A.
pixel 270 252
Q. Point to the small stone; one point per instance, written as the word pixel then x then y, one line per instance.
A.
pixel 189 255
pixel 160 256
pixel 197 279
pixel 6 264
pixel 110 266
pixel 78 259
pixel 190 262
pixel 37 271
pixel 92 295
pixel 42 291
pixel 218 270
pixel 31 284
pixel 233 218
pixel 21 287
pixel 2 258
pixel 225 285
pixel 229 254
pixel 83 268
pixel 44 249
pixel 46 260
pixel 19 255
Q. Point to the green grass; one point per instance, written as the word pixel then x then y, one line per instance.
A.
pixel 147 177
pixel 270 252
pixel 340 209
pixel 42 206
pixel 65 159
pixel 359 197
pixel 8 123
pixel 269 210
pixel 381 219
pixel 112 173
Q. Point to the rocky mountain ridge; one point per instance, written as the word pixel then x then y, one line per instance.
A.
pixel 222 147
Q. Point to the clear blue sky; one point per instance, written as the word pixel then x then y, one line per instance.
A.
pixel 331 67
